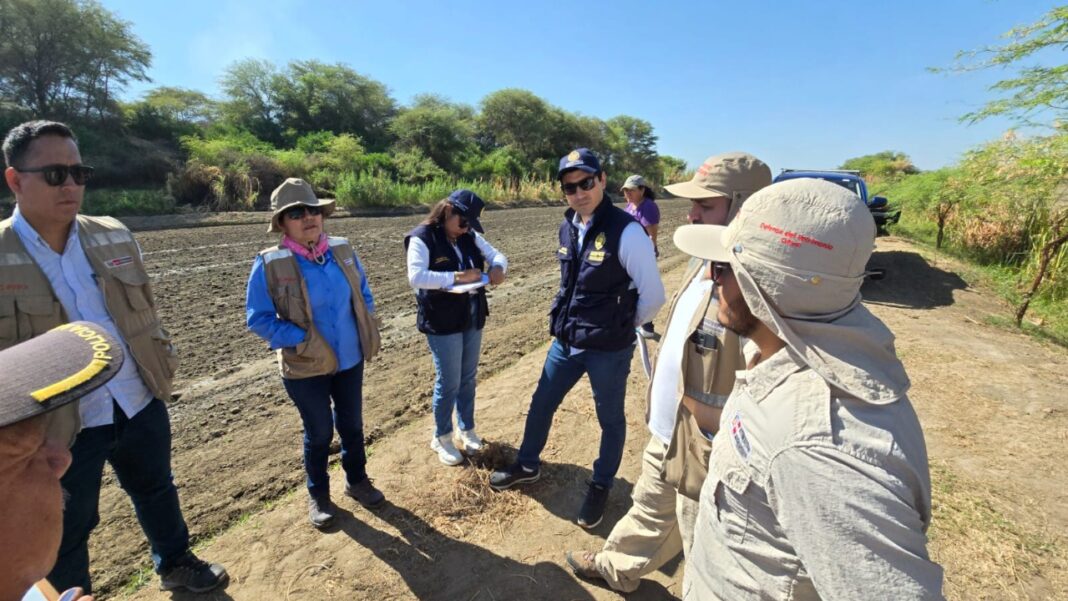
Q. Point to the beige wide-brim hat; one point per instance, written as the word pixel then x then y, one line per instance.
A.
pixel 799 251
pixel 295 191
pixel 736 175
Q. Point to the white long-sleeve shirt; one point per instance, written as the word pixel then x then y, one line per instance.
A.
pixel 420 275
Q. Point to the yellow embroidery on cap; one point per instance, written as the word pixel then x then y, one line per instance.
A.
pixel 598 242
pixel 82 376
pixel 573 155
pixel 816 280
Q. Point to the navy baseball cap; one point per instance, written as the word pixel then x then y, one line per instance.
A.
pixel 580 158
pixel 468 204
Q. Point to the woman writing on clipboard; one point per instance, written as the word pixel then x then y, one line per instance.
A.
pixel 449 263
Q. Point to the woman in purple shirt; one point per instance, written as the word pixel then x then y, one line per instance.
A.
pixel 641 204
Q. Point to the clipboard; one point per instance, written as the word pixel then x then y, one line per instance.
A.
pixel 465 288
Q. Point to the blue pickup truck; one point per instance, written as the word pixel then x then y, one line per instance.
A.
pixel 881 211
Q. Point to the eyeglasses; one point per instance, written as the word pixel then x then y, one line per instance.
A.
pixel 62 425
pixel 56 175
pixel 721 270
pixel 586 184
pixel 298 211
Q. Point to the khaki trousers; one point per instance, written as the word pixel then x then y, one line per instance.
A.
pixel 657 527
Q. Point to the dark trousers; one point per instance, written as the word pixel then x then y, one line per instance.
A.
pixel 139 450
pixel 312 397
pixel 608 371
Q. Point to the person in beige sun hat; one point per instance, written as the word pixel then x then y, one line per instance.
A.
pixel 821 463
pixel 295 191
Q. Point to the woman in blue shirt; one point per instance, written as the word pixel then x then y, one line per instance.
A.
pixel 309 299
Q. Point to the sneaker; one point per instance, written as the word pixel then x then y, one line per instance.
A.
pixel 365 493
pixel 193 574
pixel 446 450
pixel 593 507
pixel 512 475
pixel 584 564
pixel 470 442
pixel 321 511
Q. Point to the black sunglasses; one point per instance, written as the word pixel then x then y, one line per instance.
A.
pixel 298 211
pixel 586 184
pixel 56 175
pixel 719 270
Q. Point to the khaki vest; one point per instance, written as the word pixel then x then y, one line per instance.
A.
pixel 711 356
pixel 287 288
pixel 707 373
pixel 28 305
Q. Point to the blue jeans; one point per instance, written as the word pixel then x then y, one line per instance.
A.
pixel 455 365
pixel 312 397
pixel 139 450
pixel 608 371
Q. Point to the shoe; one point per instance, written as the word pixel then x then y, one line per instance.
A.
pixel 321 511
pixel 512 475
pixel 593 507
pixel 470 442
pixel 365 493
pixel 446 450
pixel 584 564
pixel 193 574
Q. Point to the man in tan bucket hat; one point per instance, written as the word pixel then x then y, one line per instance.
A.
pixel 693 373
pixel 295 191
pixel 818 485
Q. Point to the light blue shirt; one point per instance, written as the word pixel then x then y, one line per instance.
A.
pixel 75 285
pixel 331 307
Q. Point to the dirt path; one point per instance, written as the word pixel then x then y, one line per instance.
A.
pixel 992 403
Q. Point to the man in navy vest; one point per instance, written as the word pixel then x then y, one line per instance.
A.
pixel 609 285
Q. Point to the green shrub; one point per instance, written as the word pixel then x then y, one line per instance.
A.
pixel 109 201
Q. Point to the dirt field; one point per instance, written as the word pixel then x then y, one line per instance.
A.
pixel 992 402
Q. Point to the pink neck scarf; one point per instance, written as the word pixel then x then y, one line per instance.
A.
pixel 314 252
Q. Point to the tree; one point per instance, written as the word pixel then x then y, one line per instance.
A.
pixel 936 193
pixel 441 130
pixel 314 96
pixel 632 146
pixel 670 169
pixel 520 120
pixel 881 167
pixel 1034 89
pixel 252 104
pixel 168 113
pixel 67 58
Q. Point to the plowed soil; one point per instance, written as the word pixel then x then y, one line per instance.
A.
pixel 992 403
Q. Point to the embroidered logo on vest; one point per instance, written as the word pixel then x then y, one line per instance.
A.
pixel 741 441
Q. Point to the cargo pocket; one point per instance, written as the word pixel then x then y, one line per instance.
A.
pixel 135 288
pixel 700 362
pixel 35 315
pixel 8 326
pixel 731 500
pixel 168 358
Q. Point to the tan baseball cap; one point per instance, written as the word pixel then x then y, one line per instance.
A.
pixel 295 191
pixel 799 251
pixel 736 175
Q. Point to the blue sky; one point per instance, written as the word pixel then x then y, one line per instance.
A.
pixel 799 84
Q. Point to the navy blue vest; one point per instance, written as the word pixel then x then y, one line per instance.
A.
pixel 443 312
pixel 595 306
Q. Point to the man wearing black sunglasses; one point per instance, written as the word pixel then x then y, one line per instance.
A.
pixel 60 266
pixel 609 285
